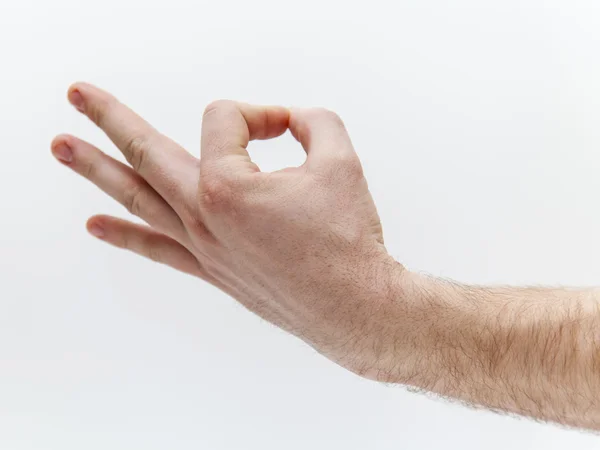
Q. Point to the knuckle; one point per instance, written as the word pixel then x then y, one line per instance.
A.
pixel 328 115
pixel 153 251
pixel 132 200
pixel 124 241
pixel 218 105
pixel 99 109
pixel 135 151
pixel 88 170
pixel 215 193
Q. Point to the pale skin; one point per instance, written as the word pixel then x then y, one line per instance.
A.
pixel 303 248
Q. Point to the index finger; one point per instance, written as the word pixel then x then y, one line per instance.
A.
pixel 228 127
pixel 159 160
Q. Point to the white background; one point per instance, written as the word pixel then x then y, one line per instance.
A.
pixel 478 126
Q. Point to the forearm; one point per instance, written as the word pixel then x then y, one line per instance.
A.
pixel 529 351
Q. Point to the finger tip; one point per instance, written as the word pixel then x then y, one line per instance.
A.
pixel 77 85
pixel 75 98
pixel 74 87
pixel 96 227
pixel 62 138
pixel 61 149
pixel 96 218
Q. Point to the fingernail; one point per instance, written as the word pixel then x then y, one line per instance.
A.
pixel 96 230
pixel 63 153
pixel 76 100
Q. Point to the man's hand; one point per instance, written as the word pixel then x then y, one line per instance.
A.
pixel 302 247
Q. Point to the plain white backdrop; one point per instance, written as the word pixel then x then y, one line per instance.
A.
pixel 478 126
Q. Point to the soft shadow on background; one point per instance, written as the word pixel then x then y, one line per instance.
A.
pixel 478 126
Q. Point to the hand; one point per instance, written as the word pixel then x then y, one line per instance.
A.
pixel 302 247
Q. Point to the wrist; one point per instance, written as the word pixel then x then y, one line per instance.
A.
pixel 391 349
pixel 423 326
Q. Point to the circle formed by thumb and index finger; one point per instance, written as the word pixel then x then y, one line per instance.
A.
pixel 228 127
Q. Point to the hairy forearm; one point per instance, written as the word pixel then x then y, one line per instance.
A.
pixel 531 351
